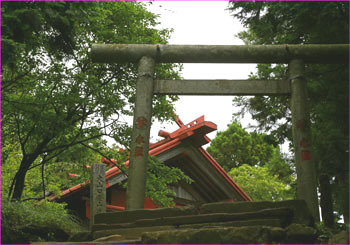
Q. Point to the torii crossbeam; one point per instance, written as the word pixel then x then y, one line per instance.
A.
pixel 147 55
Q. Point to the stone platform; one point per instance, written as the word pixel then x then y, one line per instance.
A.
pixel 240 222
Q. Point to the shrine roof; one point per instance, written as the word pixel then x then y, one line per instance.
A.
pixel 193 132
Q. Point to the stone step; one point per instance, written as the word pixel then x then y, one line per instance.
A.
pixel 278 217
pixel 111 241
pixel 107 241
pixel 136 233
pixel 296 233
pixel 267 222
pixel 301 212
pixel 117 239
pixel 284 215
pixel 133 215
pixel 128 233
pixel 254 222
pixel 231 235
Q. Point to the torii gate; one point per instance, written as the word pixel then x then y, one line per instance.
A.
pixel 146 55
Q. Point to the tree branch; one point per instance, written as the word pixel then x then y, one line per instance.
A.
pixel 42 175
pixel 71 144
pixel 110 160
pixel 48 158
pixel 21 142
pixel 33 198
pixel 13 81
pixel 11 187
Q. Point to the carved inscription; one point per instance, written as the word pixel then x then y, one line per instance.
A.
pixel 139 151
pixel 300 124
pixel 305 156
pixel 141 122
pixel 97 190
pixel 100 190
pixel 304 143
pixel 140 139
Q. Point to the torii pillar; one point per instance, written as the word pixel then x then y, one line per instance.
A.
pixel 301 129
pixel 135 193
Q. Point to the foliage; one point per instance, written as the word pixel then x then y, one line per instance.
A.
pixel 53 96
pixel 159 177
pixel 271 112
pixel 10 153
pixel 304 23
pixel 282 167
pixel 293 23
pixel 255 162
pixel 56 172
pixel 260 184
pixel 325 234
pixel 19 218
pixel 235 146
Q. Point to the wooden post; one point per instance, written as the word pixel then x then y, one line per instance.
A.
pixel 97 191
pixel 135 193
pixel 301 128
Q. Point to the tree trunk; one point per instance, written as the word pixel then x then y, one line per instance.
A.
pixel 346 199
pixel 346 213
pixel 20 177
pixel 326 201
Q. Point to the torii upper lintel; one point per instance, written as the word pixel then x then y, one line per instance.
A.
pixel 309 53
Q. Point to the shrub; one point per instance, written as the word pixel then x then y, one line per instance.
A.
pixel 25 222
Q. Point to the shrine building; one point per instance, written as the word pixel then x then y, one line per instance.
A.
pixel 181 149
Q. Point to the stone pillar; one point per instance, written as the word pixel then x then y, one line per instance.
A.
pixel 97 191
pixel 301 129
pixel 135 193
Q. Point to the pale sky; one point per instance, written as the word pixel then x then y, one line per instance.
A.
pixel 202 22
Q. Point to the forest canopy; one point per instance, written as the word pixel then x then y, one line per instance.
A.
pixel 328 85
pixel 56 104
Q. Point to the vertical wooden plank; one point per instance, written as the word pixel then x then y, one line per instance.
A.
pixel 305 165
pixel 135 193
pixel 97 191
